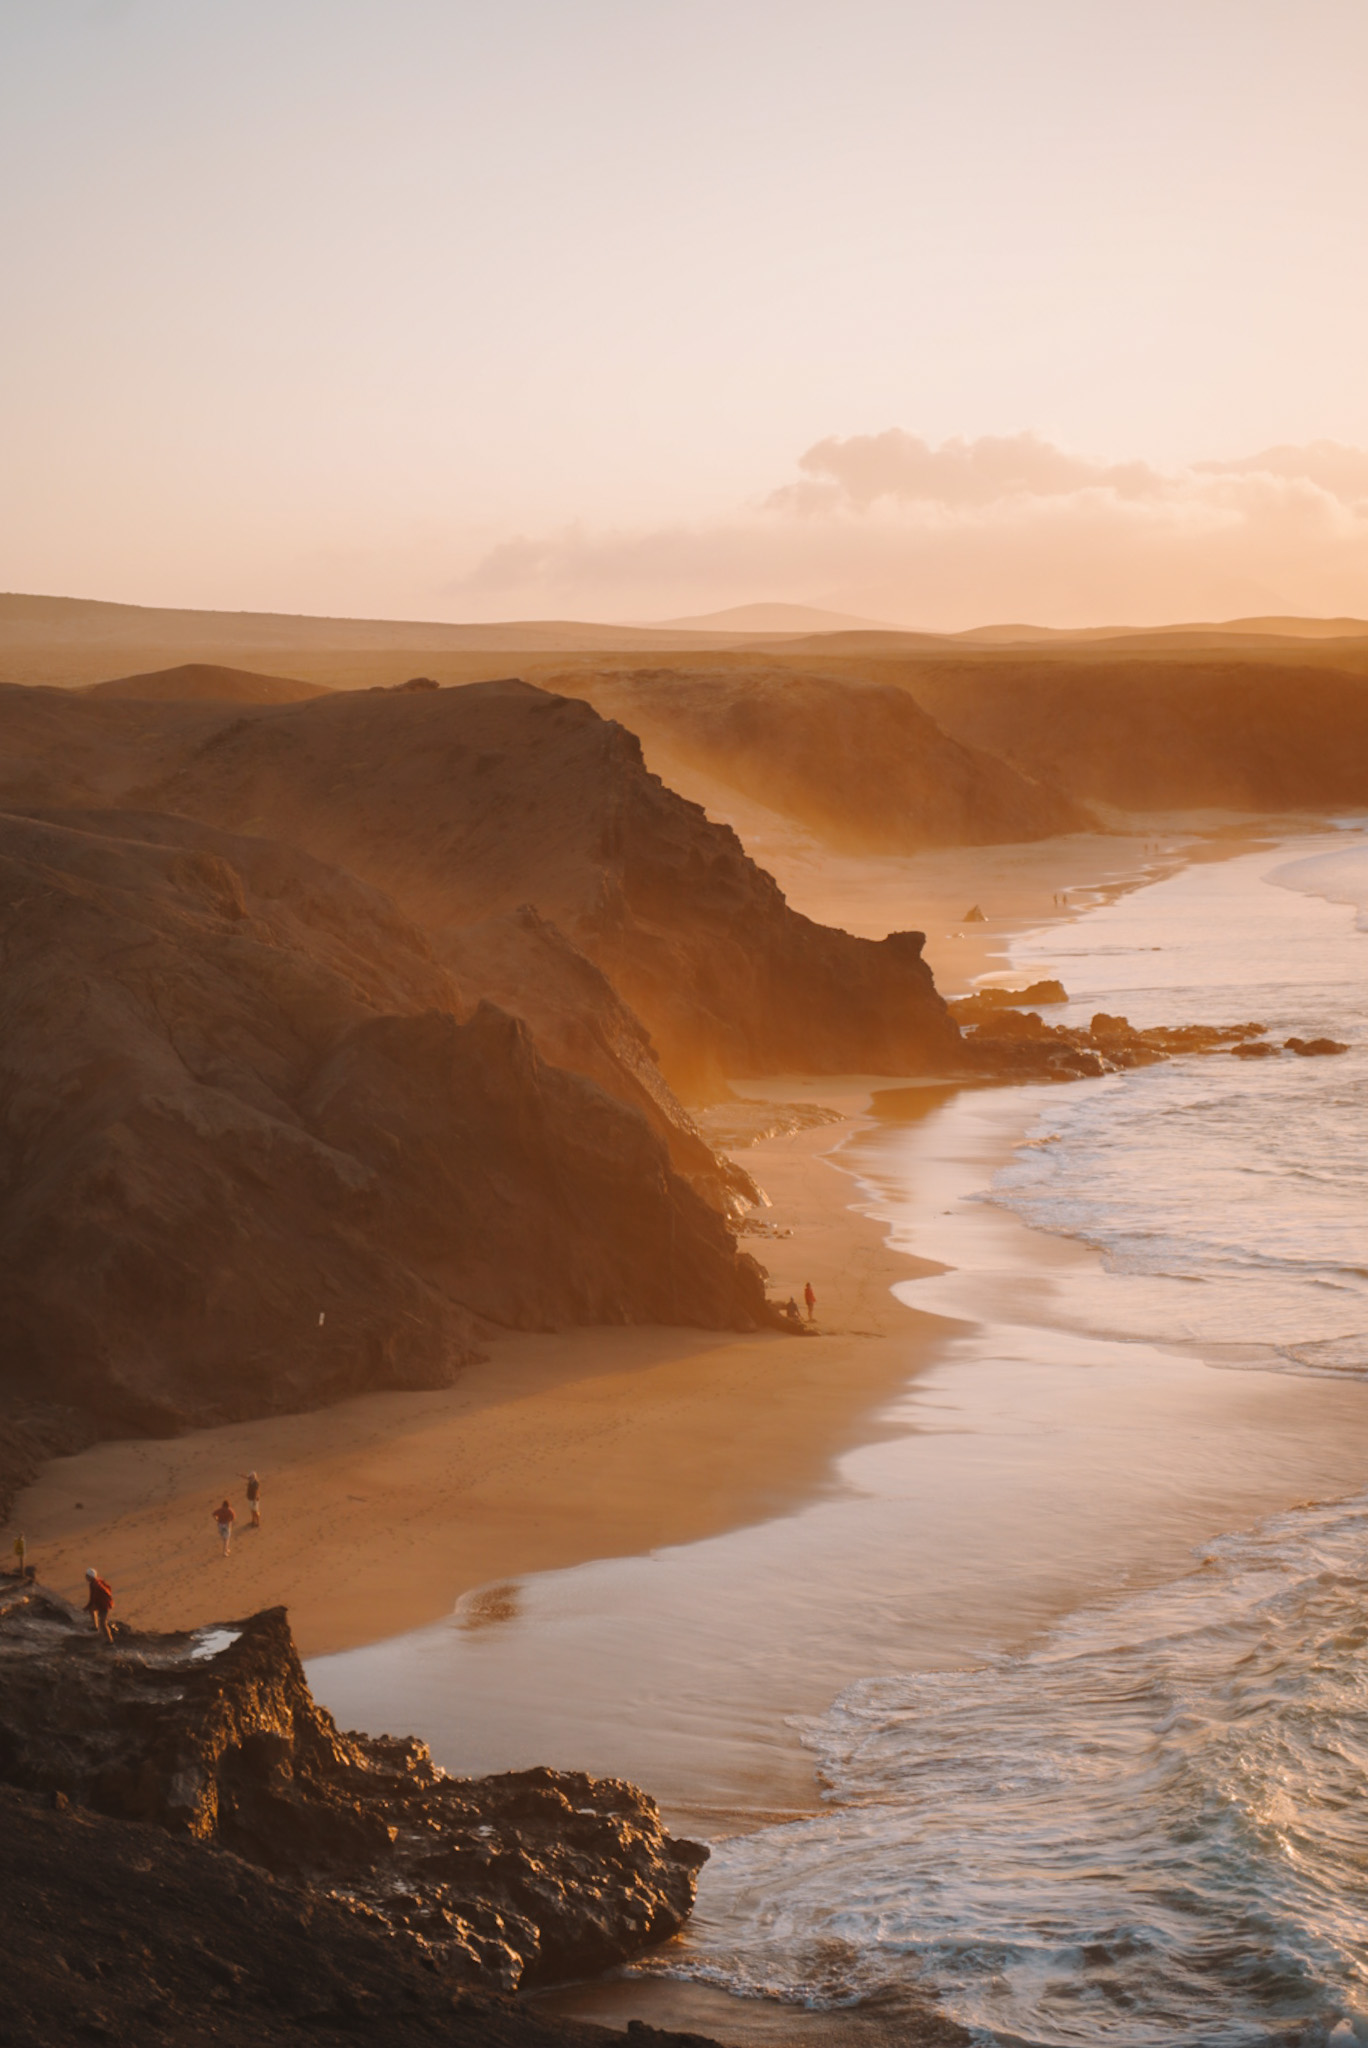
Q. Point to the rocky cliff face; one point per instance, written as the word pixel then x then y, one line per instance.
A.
pixel 505 1881
pixel 465 804
pixel 255 1155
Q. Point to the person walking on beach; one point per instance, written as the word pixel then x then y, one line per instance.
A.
pixel 100 1598
pixel 254 1500
pixel 810 1298
pixel 225 1518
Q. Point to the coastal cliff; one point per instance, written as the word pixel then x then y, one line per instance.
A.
pixel 463 805
pixel 256 1153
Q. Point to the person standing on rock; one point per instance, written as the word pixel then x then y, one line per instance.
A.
pixel 254 1500
pixel 99 1601
pixel 224 1519
pixel 810 1298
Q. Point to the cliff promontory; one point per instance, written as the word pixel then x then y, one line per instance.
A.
pixel 465 804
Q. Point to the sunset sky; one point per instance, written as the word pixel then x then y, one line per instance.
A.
pixel 1042 309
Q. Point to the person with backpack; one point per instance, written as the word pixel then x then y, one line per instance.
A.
pixel 254 1499
pixel 99 1602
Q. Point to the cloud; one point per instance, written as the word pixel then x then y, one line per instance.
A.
pixel 999 528
pixel 1340 471
pixel 864 468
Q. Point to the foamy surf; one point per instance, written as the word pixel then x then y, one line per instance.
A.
pixel 1153 1829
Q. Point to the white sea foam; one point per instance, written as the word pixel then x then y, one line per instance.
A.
pixel 1151 1830
pixel 1239 1189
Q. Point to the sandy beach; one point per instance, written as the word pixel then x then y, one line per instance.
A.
pixel 382 1512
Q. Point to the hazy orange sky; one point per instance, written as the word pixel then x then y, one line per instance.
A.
pixel 1041 309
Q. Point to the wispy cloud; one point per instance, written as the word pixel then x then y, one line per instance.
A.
pixel 972 530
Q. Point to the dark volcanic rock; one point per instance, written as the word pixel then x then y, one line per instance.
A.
pixel 511 1880
pixel 1015 1045
pixel 985 1002
pixel 239 1100
pixel 117 1933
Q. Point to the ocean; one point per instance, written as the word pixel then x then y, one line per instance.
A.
pixel 1151 1826
pixel 1140 1814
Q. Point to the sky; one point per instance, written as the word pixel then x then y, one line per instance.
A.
pixel 1052 310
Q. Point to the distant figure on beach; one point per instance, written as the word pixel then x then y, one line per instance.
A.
pixel 225 1518
pixel 791 1310
pixel 810 1298
pixel 254 1500
pixel 100 1600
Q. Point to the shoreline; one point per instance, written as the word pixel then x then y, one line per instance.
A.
pixel 533 1460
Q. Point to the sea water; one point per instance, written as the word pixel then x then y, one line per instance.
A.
pixel 1146 1819
pixel 1151 1826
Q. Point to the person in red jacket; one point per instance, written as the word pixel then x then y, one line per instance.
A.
pixel 810 1298
pixel 99 1601
pixel 224 1519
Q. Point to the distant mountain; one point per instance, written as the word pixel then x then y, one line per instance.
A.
pixel 769 618
pixel 73 640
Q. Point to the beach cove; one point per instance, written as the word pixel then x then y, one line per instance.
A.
pixel 672 1586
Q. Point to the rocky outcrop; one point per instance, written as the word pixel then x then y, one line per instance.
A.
pixel 506 1881
pixel 985 1003
pixel 243 1102
pixel 1013 1044
pixel 120 1934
